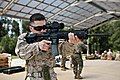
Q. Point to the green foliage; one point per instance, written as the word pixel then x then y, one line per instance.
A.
pixel 3 32
pixel 115 37
pixel 6 21
pixel 8 44
pixel 15 28
pixel 113 28
pixel 25 25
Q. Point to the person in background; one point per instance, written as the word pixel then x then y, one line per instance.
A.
pixel 104 55
pixel 66 48
pixel 77 60
pixel 109 55
pixel 39 60
pixel 97 55
pixel 117 57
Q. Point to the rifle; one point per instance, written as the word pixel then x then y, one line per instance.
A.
pixel 11 70
pixel 51 34
pixel 54 34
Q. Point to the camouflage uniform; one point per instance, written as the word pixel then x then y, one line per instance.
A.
pixel 65 49
pixel 77 60
pixel 39 64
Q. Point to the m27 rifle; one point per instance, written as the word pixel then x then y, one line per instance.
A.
pixel 54 34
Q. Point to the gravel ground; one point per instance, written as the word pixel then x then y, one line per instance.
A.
pixel 93 70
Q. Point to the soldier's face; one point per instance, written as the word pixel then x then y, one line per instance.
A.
pixel 38 27
pixel 71 37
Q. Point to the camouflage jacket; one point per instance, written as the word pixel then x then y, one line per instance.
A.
pixel 66 49
pixel 35 58
pixel 80 48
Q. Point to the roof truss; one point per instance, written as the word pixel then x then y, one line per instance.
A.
pixel 82 14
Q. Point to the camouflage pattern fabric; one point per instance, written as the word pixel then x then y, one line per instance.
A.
pixel 77 60
pixel 36 60
pixel 117 58
pixel 77 63
pixel 65 49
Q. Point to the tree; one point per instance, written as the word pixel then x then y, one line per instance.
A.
pixel 112 41
pixel 8 44
pixel 15 28
pixel 25 25
pixel 3 31
pixel 115 37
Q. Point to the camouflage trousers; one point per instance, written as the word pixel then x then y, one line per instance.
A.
pixel 42 75
pixel 37 76
pixel 77 64
pixel 63 61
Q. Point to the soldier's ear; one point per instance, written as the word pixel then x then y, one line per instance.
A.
pixel 30 28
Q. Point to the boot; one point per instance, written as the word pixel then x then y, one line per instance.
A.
pixel 63 69
pixel 75 77
pixel 71 66
pixel 66 68
pixel 78 75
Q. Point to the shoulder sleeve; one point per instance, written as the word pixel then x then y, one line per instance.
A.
pixel 24 50
pixel 60 47
pixel 84 48
pixel 81 48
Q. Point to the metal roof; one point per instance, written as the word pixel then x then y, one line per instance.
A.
pixel 73 13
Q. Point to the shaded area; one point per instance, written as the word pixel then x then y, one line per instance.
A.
pixel 93 70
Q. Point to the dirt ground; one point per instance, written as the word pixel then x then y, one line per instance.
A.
pixel 93 70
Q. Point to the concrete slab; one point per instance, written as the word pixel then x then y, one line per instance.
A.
pixel 93 70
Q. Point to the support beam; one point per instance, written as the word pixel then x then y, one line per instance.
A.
pixel 100 14
pixel 62 10
pixel 6 7
pixel 97 6
pixel 101 23
pixel 8 15
pixel 100 7
pixel 114 13
pixel 116 16
pixel 106 0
